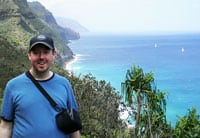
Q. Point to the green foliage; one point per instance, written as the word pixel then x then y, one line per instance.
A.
pixel 141 94
pixel 1 91
pixel 14 33
pixel 188 126
pixel 148 102
pixel 98 104
pixel 18 23
pixel 13 61
pixel 9 4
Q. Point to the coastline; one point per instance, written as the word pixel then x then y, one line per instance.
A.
pixel 125 111
pixel 174 70
pixel 68 64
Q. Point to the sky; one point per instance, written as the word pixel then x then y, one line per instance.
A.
pixel 129 16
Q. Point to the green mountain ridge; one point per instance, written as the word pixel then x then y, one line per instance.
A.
pixel 47 16
pixel 20 20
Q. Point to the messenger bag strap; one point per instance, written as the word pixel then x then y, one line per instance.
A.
pixel 43 91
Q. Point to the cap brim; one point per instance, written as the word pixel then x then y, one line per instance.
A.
pixel 42 43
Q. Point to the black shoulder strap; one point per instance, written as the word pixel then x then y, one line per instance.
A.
pixel 43 91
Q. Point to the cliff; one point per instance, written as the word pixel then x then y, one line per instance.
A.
pixel 20 20
pixel 45 15
pixel 69 23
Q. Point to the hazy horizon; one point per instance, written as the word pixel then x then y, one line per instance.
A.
pixel 128 16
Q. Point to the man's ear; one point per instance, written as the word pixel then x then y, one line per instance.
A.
pixel 54 54
pixel 29 55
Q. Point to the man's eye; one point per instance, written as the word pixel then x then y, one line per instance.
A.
pixel 46 52
pixel 36 52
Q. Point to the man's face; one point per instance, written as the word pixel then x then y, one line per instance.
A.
pixel 41 58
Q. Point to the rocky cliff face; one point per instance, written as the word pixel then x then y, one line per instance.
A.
pixel 47 16
pixel 19 21
pixel 69 23
pixel 21 3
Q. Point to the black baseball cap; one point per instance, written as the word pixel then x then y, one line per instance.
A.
pixel 42 39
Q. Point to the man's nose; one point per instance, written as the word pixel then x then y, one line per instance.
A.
pixel 41 55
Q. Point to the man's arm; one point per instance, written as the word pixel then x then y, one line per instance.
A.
pixel 6 129
pixel 75 134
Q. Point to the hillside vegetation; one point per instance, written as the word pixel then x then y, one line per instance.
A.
pixel 20 20
pixel 18 23
pixel 98 101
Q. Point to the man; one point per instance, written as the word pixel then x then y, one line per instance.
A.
pixel 26 113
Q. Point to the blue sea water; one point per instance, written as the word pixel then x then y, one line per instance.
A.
pixel 174 60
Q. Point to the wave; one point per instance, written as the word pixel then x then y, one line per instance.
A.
pixel 76 58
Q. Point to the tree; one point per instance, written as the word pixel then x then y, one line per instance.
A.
pixel 98 105
pixel 148 102
pixel 189 125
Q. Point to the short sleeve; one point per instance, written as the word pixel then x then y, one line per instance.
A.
pixel 7 105
pixel 71 100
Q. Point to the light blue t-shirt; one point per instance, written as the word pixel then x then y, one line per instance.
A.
pixel 30 111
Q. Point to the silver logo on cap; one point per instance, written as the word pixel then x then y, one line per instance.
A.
pixel 41 37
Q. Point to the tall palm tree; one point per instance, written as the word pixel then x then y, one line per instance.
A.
pixel 148 102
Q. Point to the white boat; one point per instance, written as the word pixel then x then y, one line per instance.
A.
pixel 155 45
pixel 182 49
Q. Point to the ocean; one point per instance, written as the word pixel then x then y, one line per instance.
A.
pixel 173 59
